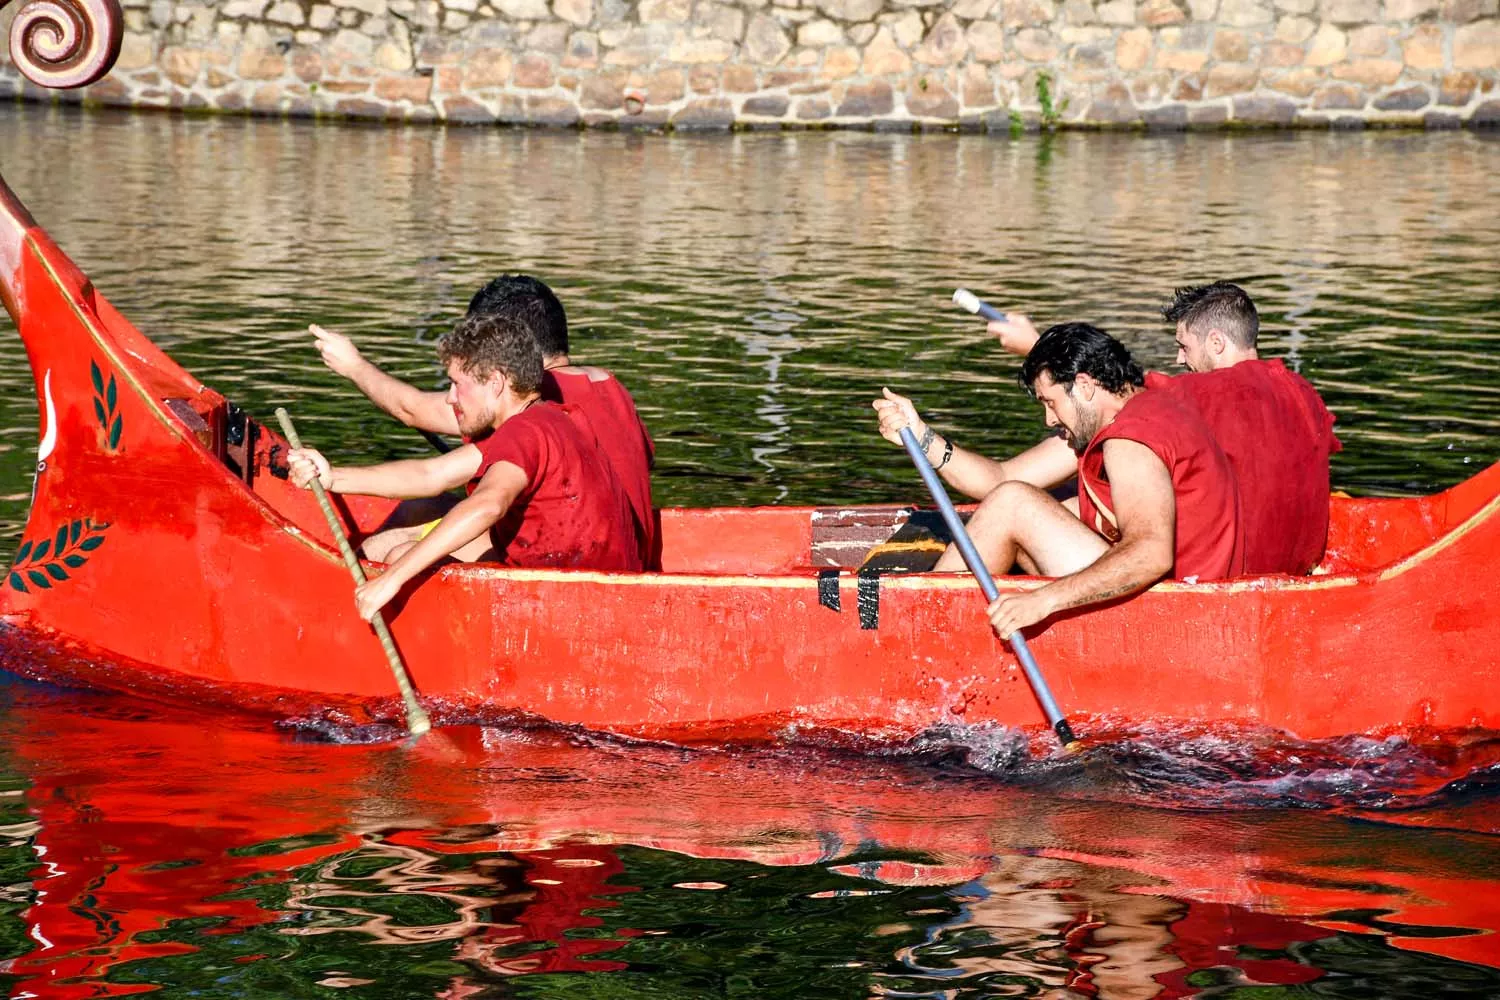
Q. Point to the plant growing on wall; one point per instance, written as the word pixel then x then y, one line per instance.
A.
pixel 1051 111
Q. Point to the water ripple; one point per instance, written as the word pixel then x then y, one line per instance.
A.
pixel 755 291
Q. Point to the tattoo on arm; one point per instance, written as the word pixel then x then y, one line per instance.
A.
pixel 1095 597
pixel 1107 595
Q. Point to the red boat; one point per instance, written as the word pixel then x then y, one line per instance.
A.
pixel 163 555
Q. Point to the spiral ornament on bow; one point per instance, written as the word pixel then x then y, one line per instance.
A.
pixel 66 43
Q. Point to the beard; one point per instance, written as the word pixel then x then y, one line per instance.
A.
pixel 475 425
pixel 1079 438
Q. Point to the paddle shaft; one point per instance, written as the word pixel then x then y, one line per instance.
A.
pixel 990 312
pixel 438 444
pixel 969 302
pixel 987 584
pixel 416 719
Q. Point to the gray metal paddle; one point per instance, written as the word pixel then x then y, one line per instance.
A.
pixel 987 584
pixel 416 719
pixel 970 302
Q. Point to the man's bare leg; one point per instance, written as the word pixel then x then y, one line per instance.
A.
pixel 1018 523
pixel 480 548
pixel 380 546
pixel 417 512
pixel 403 527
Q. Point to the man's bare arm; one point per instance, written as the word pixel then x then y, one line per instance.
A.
pixel 1146 507
pixel 470 518
pixel 1045 465
pixel 403 480
pixel 1015 333
pixel 409 478
pixel 419 408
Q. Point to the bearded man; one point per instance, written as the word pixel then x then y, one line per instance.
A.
pixel 619 430
pixel 539 495
pixel 1156 497
pixel 1272 424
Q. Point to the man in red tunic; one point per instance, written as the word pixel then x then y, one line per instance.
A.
pixel 608 406
pixel 1156 494
pixel 1271 422
pixel 541 494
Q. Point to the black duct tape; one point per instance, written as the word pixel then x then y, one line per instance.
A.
pixel 869 598
pixel 828 589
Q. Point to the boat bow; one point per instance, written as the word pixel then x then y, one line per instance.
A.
pixel 60 44
pixel 64 44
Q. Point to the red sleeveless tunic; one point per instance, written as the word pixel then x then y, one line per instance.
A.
pixel 622 437
pixel 573 514
pixel 1208 535
pixel 1277 435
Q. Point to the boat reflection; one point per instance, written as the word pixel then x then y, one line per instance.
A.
pixel 180 854
pixel 508 914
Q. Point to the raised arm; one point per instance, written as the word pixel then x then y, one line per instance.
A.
pixel 1146 506
pixel 419 408
pixel 470 518
pixel 1044 465
pixel 403 480
pixel 1015 332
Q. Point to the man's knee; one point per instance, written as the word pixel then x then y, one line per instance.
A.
pixel 1009 499
pixel 378 547
pixel 1047 537
pixel 398 550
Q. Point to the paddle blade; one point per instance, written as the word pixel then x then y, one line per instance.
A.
pixel 417 721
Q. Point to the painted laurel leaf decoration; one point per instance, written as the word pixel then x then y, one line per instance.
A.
pixel 106 403
pixel 40 564
pixel 66 43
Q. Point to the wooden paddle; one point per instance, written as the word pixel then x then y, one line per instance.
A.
pixel 416 719
pixel 987 584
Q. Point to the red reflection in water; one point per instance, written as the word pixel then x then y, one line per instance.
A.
pixel 1201 941
pixel 144 822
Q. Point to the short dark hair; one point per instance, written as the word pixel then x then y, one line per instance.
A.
pixel 1222 304
pixel 530 301
pixel 1068 350
pixel 485 343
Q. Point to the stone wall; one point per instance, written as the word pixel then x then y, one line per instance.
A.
pixel 713 64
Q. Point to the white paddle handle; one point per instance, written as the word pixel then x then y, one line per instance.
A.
pixel 972 303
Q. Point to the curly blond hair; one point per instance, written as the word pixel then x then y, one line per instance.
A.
pixel 494 342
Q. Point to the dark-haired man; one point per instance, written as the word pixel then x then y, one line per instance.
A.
pixel 540 494
pixel 1271 422
pixel 1156 494
pixel 611 412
